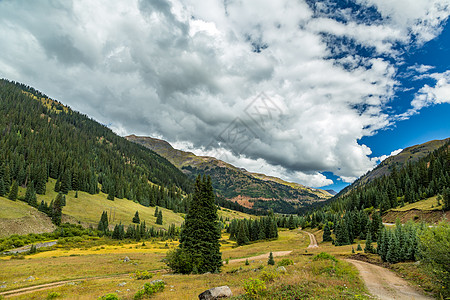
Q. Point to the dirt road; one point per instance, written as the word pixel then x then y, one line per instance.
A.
pixel 313 241
pixel 385 284
pixel 260 257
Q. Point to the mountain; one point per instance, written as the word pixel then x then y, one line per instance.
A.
pixel 42 139
pixel 252 190
pixel 408 155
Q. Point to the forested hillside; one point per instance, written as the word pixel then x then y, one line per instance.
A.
pixel 41 139
pixel 413 181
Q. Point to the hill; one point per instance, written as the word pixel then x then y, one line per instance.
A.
pixel 252 190
pixel 42 139
pixel 407 155
pixel 16 217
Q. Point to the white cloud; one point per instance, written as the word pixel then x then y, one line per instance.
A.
pixel 185 70
pixel 379 159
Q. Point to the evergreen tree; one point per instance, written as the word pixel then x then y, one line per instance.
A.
pixel 30 195
pixel 110 194
pixel 446 198
pixel 66 182
pixel 57 209
pixel 2 187
pixel 327 233
pixel 342 236
pixel 136 218
pixel 291 223
pixel 199 241
pixel 14 191
pixel 159 219
pixel 242 237
pixel 271 261
pixel 103 224
pixel 369 247
pixel 156 212
pixel 359 248
pixel 76 194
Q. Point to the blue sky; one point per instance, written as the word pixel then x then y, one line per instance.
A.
pixel 314 92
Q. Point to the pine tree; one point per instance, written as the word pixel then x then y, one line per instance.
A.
pixel 359 248
pixel 30 195
pixel 156 212
pixel 242 237
pixel 103 223
pixel 159 219
pixel 291 223
pixel 110 194
pixel 199 240
pixel 14 191
pixel 57 209
pixel 271 261
pixel 327 233
pixel 2 187
pixel 446 198
pixel 369 247
pixel 136 218
pixel 66 182
pixel 76 194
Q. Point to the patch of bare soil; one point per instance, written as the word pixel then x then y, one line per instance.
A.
pixel 33 222
pixel 385 284
pixel 417 215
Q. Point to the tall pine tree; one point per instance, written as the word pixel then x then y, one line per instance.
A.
pixel 199 249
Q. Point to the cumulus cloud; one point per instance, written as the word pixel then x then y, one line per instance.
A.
pixel 279 86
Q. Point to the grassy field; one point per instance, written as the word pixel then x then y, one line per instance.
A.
pixel 426 204
pixel 312 279
pixel 87 210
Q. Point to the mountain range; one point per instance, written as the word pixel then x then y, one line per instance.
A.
pixel 251 190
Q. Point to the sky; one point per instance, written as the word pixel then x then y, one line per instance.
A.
pixel 315 92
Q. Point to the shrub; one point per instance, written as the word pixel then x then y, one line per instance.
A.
pixel 324 256
pixel 271 261
pixel 143 275
pixel 246 262
pixel 268 276
pixel 111 296
pixel 53 295
pixel 285 262
pixel 150 288
pixel 254 288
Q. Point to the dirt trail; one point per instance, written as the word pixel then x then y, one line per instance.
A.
pixel 260 257
pixel 46 286
pixel 312 238
pixel 385 284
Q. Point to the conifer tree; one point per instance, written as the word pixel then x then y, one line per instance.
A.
pixel 242 237
pixel 271 261
pixel 110 194
pixel 446 198
pixel 57 209
pixel 103 223
pixel 30 195
pixel 156 212
pixel 327 233
pixel 2 187
pixel 159 219
pixel 369 247
pixel 199 241
pixel 14 191
pixel 359 248
pixel 136 218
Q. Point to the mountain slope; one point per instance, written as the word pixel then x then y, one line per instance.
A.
pixel 410 154
pixel 249 189
pixel 42 139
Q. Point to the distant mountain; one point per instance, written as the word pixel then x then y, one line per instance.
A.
pixel 252 190
pixel 332 192
pixel 410 154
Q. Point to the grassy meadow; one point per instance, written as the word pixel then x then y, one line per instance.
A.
pixel 101 270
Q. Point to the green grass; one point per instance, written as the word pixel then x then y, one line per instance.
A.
pixel 426 204
pixel 13 209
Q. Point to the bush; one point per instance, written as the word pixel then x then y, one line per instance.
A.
pixel 143 275
pixel 254 288
pixel 268 276
pixel 53 295
pixel 434 245
pixel 324 256
pixel 111 296
pixel 285 262
pixel 150 288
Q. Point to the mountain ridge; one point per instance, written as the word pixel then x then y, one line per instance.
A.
pixel 246 186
